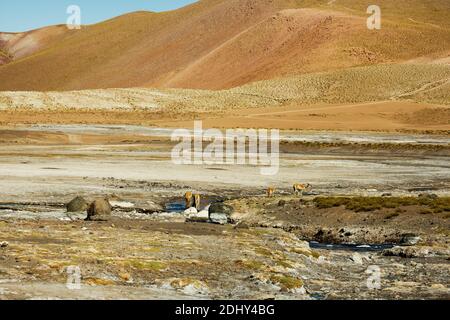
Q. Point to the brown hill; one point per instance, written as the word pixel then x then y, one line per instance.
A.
pixel 216 44
pixel 24 44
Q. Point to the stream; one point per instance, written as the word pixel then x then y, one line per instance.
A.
pixel 351 247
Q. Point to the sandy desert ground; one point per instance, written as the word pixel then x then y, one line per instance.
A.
pixel 275 247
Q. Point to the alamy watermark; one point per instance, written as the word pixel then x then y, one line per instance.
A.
pixel 74 20
pixel 73 278
pixel 374 280
pixel 374 21
pixel 232 147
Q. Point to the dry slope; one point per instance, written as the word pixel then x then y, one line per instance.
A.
pixel 216 44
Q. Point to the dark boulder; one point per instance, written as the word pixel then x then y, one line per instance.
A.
pixel 409 239
pixel 79 204
pixel 220 213
pixel 221 208
pixel 99 210
pixel 281 203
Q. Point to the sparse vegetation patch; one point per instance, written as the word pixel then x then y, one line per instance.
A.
pixel 367 204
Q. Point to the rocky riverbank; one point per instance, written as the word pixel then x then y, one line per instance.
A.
pixel 259 255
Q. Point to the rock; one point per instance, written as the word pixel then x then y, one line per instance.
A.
pixel 4 244
pixel 409 239
pixel 387 194
pixel 204 213
pixel 406 252
pixel 125 277
pixel 99 210
pixel 218 218
pixel 356 258
pixel 222 208
pixel 121 204
pixel 311 193
pixel 152 207
pixel 281 203
pixel 202 216
pixel 79 204
pixel 191 287
pixel 190 211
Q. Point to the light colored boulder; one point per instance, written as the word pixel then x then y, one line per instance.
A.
pixel 190 211
pixel 218 218
pixel 221 208
pixel 202 216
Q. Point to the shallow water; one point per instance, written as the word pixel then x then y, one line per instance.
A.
pixel 175 206
pixel 351 247
pixel 318 296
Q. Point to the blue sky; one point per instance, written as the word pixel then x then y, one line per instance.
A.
pixel 23 15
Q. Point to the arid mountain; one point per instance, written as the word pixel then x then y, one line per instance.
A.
pixel 219 44
pixel 22 45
